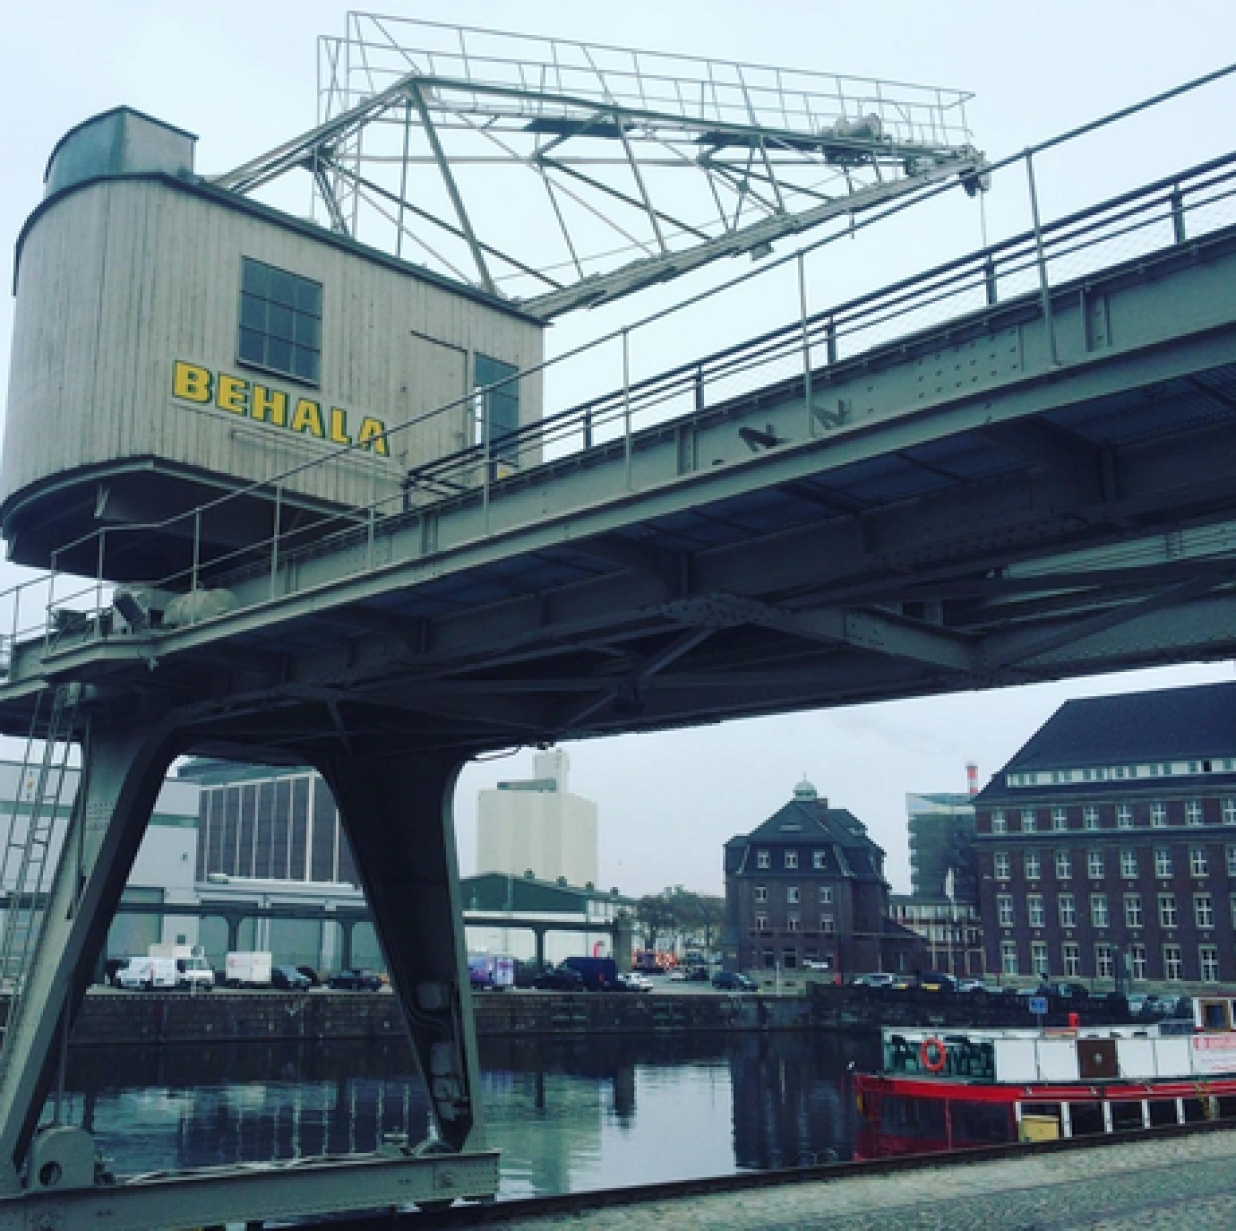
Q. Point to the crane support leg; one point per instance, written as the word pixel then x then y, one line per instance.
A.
pixel 399 818
pixel 121 777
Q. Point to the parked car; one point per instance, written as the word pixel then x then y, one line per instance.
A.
pixel 815 963
pixel 937 981
pixel 288 978
pixel 559 979
pixel 632 981
pixel 356 981
pixel 698 974
pixel 732 981
pixel 315 979
pixel 879 978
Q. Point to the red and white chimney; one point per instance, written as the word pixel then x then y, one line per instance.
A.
pixel 972 778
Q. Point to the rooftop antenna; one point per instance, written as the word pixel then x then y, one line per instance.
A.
pixel 618 169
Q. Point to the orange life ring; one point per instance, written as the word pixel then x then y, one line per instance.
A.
pixel 932 1054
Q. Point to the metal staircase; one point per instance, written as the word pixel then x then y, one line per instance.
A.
pixel 28 853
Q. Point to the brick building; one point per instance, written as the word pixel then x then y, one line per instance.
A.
pixel 808 886
pixel 1107 846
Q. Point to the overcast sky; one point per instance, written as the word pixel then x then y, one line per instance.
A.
pixel 242 76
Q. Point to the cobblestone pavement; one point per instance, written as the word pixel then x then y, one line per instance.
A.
pixel 1179 1183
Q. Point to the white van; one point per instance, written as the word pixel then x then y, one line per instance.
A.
pixel 147 973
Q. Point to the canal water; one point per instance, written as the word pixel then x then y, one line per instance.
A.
pixel 568 1116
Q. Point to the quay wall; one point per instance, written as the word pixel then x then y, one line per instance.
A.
pixel 110 1017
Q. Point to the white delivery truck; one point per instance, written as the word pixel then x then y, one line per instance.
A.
pixel 145 974
pixel 248 970
pixel 192 969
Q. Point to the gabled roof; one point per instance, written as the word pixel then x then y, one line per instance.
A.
pixel 1192 723
pixel 812 822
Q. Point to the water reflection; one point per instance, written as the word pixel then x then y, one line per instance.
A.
pixel 567 1115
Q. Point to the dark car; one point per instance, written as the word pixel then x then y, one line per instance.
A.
pixel 288 978
pixel 937 981
pixel 315 979
pixel 559 979
pixel 731 981
pixel 355 981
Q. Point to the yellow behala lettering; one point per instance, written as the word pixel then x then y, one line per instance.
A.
pixel 268 405
pixel 339 426
pixel 232 393
pixel 372 435
pixel 191 383
pixel 307 417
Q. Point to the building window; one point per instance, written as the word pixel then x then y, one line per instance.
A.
pixel 1229 811
pixel 1203 910
pixel 763 859
pixel 1064 865
pixel 761 893
pixel 280 321
pixel 1068 911
pixel 1034 866
pixel 1162 861
pixel 1001 865
pixel 1090 817
pixel 1072 960
pixel 1158 815
pixel 1094 865
pixel 761 923
pixel 1128 864
pixel 791 923
pixel 1132 911
pixel 1038 957
pixel 998 822
pixel 1059 819
pixel 1193 812
pixel 1098 910
pixel 1004 910
pixel 827 924
pixel 1137 961
pixel 1124 816
pixel 1198 863
pixel 1027 820
pixel 826 895
pixel 1034 910
pixel 1104 966
pixel 791 894
pixel 1208 963
pixel 819 860
pixel 1167 910
pixel 770 959
pixel 1008 957
pixel 791 860
pixel 1173 965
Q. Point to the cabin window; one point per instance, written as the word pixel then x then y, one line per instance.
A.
pixel 495 409
pixel 280 321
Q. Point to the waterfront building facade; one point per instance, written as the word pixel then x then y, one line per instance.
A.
pixel 1107 846
pixel 537 825
pixel 807 888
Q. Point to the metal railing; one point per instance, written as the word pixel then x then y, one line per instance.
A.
pixel 1015 275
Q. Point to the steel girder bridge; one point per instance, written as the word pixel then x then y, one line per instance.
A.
pixel 1012 468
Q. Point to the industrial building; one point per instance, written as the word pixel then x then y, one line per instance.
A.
pixel 1107 845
